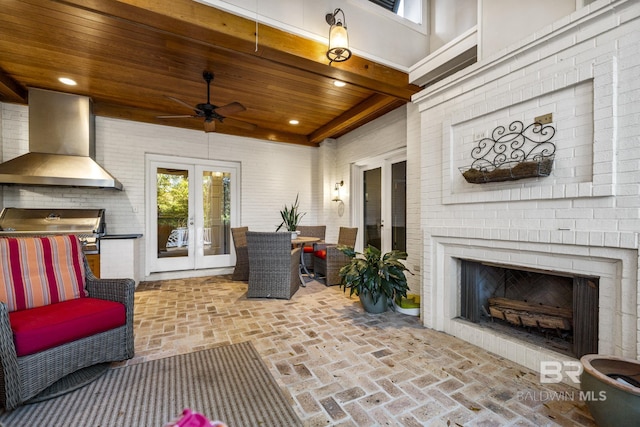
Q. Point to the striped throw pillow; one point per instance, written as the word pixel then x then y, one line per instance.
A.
pixel 36 271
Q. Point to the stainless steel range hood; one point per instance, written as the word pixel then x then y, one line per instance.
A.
pixel 61 145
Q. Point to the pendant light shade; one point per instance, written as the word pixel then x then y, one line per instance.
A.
pixel 338 37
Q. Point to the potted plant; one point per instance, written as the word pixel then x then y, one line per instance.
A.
pixel 291 218
pixel 374 277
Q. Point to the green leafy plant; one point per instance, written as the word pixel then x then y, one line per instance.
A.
pixel 373 273
pixel 290 216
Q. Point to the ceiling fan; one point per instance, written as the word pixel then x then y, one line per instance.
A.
pixel 210 113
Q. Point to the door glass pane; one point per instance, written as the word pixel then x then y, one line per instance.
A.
pixel 372 207
pixel 399 206
pixel 216 205
pixel 173 212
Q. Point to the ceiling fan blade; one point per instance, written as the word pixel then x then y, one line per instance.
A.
pixel 180 116
pixel 183 103
pixel 230 109
pixel 238 123
pixel 210 126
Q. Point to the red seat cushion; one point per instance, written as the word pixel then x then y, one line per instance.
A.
pixel 308 249
pixel 321 253
pixel 40 328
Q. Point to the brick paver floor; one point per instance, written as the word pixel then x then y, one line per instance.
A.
pixel 343 367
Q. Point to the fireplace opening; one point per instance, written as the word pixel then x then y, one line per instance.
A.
pixel 552 310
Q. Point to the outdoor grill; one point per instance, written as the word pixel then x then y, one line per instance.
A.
pixel 88 224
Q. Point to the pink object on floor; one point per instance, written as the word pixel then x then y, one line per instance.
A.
pixel 194 419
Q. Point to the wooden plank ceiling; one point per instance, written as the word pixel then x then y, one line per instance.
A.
pixel 129 55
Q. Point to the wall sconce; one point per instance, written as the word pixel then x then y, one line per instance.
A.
pixel 338 37
pixel 336 192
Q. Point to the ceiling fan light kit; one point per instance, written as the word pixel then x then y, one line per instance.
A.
pixel 210 113
pixel 338 37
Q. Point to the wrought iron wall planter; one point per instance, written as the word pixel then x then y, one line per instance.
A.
pixel 512 153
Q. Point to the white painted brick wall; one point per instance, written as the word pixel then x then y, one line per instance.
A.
pixel 272 173
pixel 397 129
pixel 378 137
pixel 453 112
pixel 414 230
pixel 585 71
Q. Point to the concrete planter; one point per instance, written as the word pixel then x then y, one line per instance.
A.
pixel 367 303
pixel 610 386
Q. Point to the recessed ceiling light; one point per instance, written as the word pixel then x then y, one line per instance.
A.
pixel 338 83
pixel 67 81
pixel 293 122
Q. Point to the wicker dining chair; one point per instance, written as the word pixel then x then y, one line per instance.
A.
pixel 241 272
pixel 318 231
pixel 328 259
pixel 273 265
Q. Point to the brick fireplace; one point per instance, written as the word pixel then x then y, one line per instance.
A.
pixel 547 308
pixel 580 220
pixel 614 268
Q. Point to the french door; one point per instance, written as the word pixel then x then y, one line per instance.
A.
pixel 191 206
pixel 380 207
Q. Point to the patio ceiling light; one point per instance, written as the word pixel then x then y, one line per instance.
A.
pixel 338 37
pixel 67 81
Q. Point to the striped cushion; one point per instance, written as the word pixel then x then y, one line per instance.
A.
pixel 36 271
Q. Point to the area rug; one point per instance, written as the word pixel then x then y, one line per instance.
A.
pixel 230 383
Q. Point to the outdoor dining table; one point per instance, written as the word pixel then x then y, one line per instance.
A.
pixel 300 241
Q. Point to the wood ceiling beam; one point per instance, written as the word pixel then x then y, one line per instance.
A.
pixel 207 25
pixel 11 91
pixel 368 118
pixel 374 105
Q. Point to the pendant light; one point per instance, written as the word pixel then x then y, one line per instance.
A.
pixel 338 37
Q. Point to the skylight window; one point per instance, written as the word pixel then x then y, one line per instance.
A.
pixel 408 9
pixel 391 5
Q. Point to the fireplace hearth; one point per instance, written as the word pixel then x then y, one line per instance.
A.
pixel 613 271
pixel 552 310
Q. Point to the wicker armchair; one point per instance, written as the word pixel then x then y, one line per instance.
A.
pixel 273 265
pixel 241 272
pixel 22 378
pixel 328 259
pixel 318 231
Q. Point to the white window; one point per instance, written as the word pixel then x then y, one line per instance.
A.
pixel 408 9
